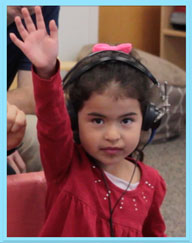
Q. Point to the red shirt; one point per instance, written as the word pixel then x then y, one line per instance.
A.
pixel 77 198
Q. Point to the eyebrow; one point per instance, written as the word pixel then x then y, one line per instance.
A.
pixel 103 116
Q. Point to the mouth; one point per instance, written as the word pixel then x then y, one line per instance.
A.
pixel 111 150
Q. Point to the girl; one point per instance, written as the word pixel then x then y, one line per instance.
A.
pixel 95 187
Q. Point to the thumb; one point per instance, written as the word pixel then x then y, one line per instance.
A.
pixel 16 41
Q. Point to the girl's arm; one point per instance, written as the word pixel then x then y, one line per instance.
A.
pixel 154 225
pixel 54 131
pixel 54 128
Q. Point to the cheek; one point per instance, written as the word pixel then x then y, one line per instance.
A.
pixel 132 138
pixel 86 135
pixel 89 141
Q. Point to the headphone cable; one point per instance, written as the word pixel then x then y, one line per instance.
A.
pixel 111 210
pixel 153 132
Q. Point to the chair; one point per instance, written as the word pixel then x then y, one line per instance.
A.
pixel 25 204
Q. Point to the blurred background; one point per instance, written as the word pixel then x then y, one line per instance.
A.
pixel 159 30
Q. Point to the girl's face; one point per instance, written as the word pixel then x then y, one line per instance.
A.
pixel 109 128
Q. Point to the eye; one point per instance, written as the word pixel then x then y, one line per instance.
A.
pixel 127 121
pixel 97 121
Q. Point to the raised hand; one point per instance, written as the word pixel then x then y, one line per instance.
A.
pixel 37 45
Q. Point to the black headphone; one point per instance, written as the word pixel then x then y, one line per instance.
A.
pixel 151 113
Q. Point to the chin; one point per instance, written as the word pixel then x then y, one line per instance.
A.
pixel 109 161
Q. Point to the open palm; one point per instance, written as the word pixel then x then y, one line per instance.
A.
pixel 37 45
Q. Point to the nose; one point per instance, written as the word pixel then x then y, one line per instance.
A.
pixel 112 134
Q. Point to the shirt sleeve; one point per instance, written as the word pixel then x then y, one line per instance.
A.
pixel 154 225
pixel 54 127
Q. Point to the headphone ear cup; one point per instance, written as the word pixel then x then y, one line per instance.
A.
pixel 149 117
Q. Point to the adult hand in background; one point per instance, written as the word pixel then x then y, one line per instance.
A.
pixel 16 123
pixel 16 162
pixel 13 11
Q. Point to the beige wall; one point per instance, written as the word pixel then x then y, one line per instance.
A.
pixel 139 25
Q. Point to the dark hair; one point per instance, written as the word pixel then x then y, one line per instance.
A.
pixel 130 81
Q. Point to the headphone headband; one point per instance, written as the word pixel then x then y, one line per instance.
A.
pixel 127 59
pixel 152 115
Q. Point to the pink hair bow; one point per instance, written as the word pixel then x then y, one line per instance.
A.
pixel 125 47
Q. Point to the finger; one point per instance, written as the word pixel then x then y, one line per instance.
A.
pixel 39 18
pixel 16 41
pixel 14 139
pixel 11 116
pixel 20 27
pixel 53 29
pixel 20 121
pixel 31 9
pixel 11 162
pixel 19 162
pixel 28 20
